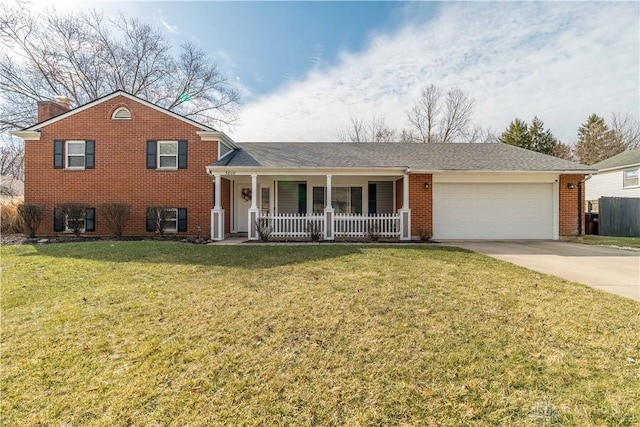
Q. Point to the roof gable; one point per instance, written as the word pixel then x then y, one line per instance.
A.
pixel 111 96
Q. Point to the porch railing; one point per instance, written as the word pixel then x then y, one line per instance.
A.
pixel 381 225
pixel 344 225
pixel 294 225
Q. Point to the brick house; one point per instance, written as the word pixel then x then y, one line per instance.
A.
pixel 120 148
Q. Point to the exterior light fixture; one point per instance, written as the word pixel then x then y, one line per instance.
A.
pixel 426 185
pixel 571 186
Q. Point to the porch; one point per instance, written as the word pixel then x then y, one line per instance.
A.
pixel 322 207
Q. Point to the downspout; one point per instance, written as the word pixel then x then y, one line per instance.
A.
pixel 580 208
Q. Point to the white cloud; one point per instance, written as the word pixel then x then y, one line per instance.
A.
pixel 173 29
pixel 559 61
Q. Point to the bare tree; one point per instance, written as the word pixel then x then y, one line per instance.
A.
pixel 423 116
pixel 85 56
pixel 11 162
pixel 627 130
pixel 375 130
pixel 435 118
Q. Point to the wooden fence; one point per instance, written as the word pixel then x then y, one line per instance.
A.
pixel 619 216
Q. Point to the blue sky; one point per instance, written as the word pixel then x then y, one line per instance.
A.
pixel 304 68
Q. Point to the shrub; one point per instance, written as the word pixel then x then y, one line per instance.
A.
pixel 424 234
pixel 30 215
pixel 115 216
pixel 158 219
pixel 314 230
pixel 73 214
pixel 373 232
pixel 9 218
pixel 263 227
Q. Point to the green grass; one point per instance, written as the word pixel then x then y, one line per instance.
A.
pixel 633 242
pixel 157 333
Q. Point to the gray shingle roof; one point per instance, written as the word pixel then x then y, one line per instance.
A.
pixel 425 157
pixel 626 158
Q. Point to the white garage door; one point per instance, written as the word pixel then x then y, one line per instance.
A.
pixel 492 211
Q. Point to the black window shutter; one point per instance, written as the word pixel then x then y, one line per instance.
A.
pixel 89 154
pixel 58 220
pixel 356 200
pixel 182 219
pixel 151 225
pixel 302 198
pixel 58 154
pixel 152 147
pixel 182 154
pixel 90 219
pixel 372 198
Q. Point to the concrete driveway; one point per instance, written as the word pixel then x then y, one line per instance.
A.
pixel 612 270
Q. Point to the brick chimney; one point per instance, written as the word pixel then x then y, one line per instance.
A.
pixel 49 109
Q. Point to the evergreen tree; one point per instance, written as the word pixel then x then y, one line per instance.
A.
pixel 517 133
pixel 532 137
pixel 596 141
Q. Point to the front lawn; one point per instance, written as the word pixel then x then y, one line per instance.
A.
pixel 630 242
pixel 158 333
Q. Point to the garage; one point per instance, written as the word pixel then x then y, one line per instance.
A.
pixel 493 211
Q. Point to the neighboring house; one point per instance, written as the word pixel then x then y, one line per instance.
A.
pixel 120 148
pixel 617 176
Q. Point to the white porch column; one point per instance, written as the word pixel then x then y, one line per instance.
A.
pixel 217 213
pixel 328 214
pixel 253 211
pixel 405 212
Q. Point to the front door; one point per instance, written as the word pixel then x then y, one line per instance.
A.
pixel 242 203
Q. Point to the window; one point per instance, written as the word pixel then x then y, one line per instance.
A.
pixel 630 178
pixel 166 154
pixel 121 114
pixel 172 219
pixel 73 154
pixel 343 199
pixel 63 222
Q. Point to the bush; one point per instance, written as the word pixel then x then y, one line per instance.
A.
pixel 424 234
pixel 73 214
pixel 314 230
pixel 115 216
pixel 263 227
pixel 30 215
pixel 373 232
pixel 9 218
pixel 158 216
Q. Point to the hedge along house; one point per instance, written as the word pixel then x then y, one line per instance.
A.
pixel 450 191
pixel 122 149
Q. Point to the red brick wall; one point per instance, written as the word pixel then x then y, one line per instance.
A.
pixel 568 205
pixel 420 203
pixel 120 173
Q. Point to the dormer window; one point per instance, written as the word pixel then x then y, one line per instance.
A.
pixel 121 114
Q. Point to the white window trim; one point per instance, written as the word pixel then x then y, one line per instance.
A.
pixel 69 230
pixel 624 178
pixel 173 230
pixel 166 155
pixel 66 154
pixel 115 113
